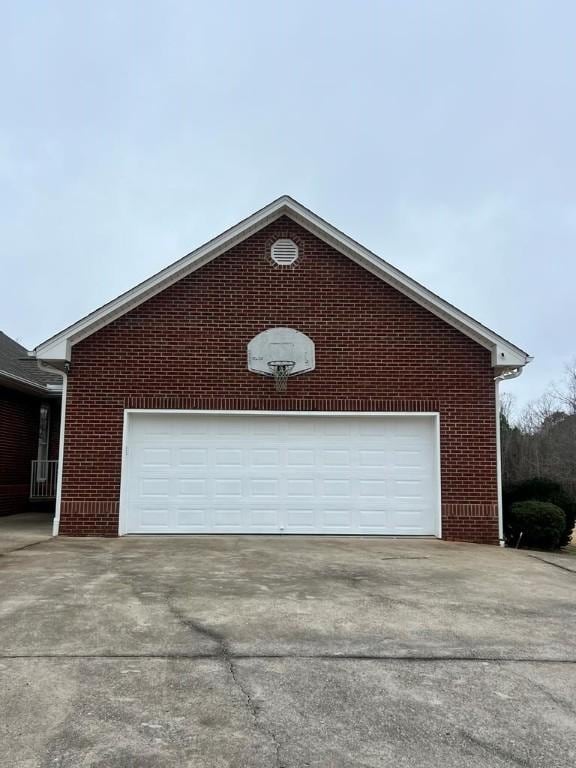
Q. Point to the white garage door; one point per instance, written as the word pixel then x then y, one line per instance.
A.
pixel 333 474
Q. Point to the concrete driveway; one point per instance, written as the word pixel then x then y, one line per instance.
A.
pixel 261 652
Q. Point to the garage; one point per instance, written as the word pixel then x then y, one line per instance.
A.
pixel 292 473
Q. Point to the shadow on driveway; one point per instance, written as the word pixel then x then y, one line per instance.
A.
pixel 24 530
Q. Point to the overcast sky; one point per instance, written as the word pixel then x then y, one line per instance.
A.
pixel 439 134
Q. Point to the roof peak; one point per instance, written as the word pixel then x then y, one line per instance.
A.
pixel 504 353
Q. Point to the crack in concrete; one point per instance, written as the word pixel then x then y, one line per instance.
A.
pixel 494 749
pixel 195 626
pixel 545 692
pixel 556 565
pixel 26 546
pixel 255 711
pixel 225 655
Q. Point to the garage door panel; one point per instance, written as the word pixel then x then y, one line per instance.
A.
pixel 338 488
pixel 411 459
pixel 157 518
pixel 408 489
pixel 191 487
pixel 336 457
pixel 300 518
pixel 191 457
pixel 300 457
pixel 151 486
pixel 228 517
pixel 375 458
pixel 227 428
pixel 264 457
pixel 374 520
pixel 264 487
pixel 300 487
pixel 268 474
pixel 228 457
pixel 227 487
pixel 189 517
pixel 372 488
pixel 402 477
pixel 188 428
pixel 336 518
pixel 155 458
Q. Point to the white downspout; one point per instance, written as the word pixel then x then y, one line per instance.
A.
pixel 503 377
pixel 44 367
pixel 499 467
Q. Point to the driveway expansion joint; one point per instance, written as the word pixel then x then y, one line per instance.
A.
pixel 288 656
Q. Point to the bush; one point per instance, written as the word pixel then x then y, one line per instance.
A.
pixel 540 523
pixel 542 489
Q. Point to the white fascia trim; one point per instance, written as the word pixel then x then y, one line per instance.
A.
pixel 59 346
pixel 25 382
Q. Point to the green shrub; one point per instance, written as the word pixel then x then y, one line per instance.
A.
pixel 543 489
pixel 540 524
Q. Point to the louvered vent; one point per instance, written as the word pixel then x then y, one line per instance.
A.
pixel 284 252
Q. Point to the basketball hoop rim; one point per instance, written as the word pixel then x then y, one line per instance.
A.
pixel 274 364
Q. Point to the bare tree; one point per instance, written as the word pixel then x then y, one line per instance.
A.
pixel 565 392
pixel 541 440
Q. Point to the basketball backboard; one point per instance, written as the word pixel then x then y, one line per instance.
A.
pixel 284 344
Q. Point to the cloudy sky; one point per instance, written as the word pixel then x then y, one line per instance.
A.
pixel 438 133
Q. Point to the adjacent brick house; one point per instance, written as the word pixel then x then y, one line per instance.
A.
pixel 389 428
pixel 29 430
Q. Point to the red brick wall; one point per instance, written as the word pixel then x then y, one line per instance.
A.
pixel 18 441
pixel 375 350
pixel 19 420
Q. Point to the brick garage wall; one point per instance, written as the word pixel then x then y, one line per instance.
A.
pixel 375 350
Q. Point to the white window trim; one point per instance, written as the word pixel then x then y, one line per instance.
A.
pixel 43 450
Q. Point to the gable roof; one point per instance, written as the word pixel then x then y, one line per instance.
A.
pixel 57 349
pixel 19 371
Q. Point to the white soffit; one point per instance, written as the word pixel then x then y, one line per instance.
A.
pixel 58 347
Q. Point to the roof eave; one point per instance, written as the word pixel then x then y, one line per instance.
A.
pixel 11 381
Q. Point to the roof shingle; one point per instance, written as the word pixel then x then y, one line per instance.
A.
pixel 14 361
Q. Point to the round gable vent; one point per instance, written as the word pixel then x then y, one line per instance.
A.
pixel 284 252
